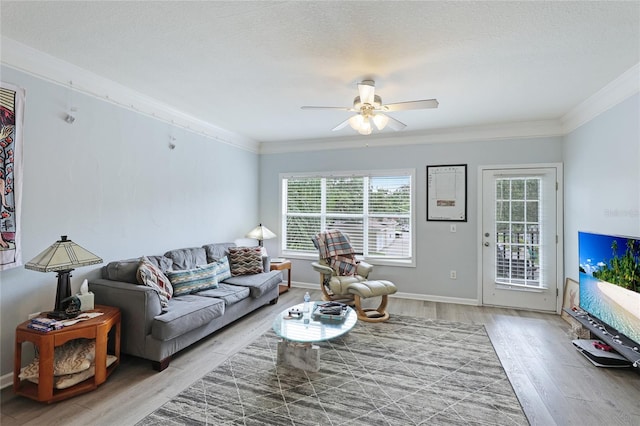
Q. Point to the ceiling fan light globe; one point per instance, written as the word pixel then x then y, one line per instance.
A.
pixel 380 120
pixel 365 127
pixel 356 122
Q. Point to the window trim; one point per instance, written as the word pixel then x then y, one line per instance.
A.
pixel 411 262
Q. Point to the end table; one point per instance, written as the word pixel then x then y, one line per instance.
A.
pixel 97 328
pixel 281 266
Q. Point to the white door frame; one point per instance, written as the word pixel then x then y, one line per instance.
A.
pixel 559 224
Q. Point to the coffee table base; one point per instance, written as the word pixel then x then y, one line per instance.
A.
pixel 305 356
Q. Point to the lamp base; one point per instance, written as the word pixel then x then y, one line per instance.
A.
pixel 63 290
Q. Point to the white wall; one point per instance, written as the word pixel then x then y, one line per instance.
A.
pixel 602 178
pixel 438 251
pixel 110 182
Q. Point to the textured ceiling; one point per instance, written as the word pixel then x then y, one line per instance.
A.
pixel 247 67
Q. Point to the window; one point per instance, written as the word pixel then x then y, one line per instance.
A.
pixel 374 208
pixel 518 248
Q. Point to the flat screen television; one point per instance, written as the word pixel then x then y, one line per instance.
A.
pixel 610 281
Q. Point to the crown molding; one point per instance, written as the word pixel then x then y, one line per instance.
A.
pixel 519 130
pixel 39 64
pixel 612 94
pixel 31 61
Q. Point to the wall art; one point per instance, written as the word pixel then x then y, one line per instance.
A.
pixel 12 100
pixel 447 192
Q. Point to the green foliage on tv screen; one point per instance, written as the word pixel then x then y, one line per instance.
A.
pixel 623 270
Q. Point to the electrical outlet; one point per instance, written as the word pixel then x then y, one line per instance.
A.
pixel 453 275
pixel 452 228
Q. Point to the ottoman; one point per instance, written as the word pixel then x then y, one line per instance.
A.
pixel 366 289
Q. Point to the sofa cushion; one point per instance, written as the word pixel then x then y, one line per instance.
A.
pixel 193 280
pixel 245 260
pixel 184 314
pixel 127 270
pixel 229 293
pixel 187 258
pixel 223 269
pixel 151 276
pixel 258 284
pixel 217 251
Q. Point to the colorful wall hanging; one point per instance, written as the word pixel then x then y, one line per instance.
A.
pixel 11 125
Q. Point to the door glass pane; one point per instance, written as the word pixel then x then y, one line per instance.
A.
pixel 502 232
pixel 517 231
pixel 517 189
pixel 517 211
pixel 502 211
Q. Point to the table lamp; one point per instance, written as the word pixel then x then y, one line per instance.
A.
pixel 62 257
pixel 261 233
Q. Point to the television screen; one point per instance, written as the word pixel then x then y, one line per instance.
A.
pixel 610 281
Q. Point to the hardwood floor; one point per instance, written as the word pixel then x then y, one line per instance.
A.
pixel 555 384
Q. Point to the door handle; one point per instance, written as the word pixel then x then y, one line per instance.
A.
pixel 486 244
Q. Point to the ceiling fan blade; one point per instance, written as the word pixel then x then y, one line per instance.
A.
pixel 395 124
pixel 341 125
pixel 327 107
pixel 404 106
pixel 367 91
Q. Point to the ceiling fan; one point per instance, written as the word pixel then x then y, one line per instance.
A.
pixel 369 107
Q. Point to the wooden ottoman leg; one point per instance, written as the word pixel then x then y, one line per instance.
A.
pixel 378 314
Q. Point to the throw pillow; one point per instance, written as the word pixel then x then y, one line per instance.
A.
pixel 223 270
pixel 150 275
pixel 72 357
pixel 245 260
pixel 193 280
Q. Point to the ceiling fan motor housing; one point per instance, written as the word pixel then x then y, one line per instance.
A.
pixel 358 105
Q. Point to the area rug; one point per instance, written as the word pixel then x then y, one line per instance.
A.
pixel 406 371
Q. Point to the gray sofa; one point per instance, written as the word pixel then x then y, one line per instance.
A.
pixel 151 333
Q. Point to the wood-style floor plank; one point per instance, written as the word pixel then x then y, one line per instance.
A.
pixel 554 383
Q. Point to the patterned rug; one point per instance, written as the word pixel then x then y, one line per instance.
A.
pixel 407 371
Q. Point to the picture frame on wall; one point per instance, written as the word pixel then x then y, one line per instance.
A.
pixel 447 193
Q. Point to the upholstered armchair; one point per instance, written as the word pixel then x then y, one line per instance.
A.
pixel 353 286
pixel 336 287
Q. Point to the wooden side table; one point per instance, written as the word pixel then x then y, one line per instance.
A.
pixel 281 266
pixel 97 328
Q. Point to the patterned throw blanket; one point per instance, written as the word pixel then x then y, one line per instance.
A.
pixel 335 248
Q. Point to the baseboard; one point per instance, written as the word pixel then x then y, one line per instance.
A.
pixel 6 380
pixel 403 295
pixel 433 298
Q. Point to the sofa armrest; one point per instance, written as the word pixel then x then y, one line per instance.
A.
pixel 266 263
pixel 138 305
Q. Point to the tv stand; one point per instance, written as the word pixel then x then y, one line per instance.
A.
pixel 607 334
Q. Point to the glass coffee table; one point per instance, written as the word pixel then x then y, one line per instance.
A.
pixel 297 349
